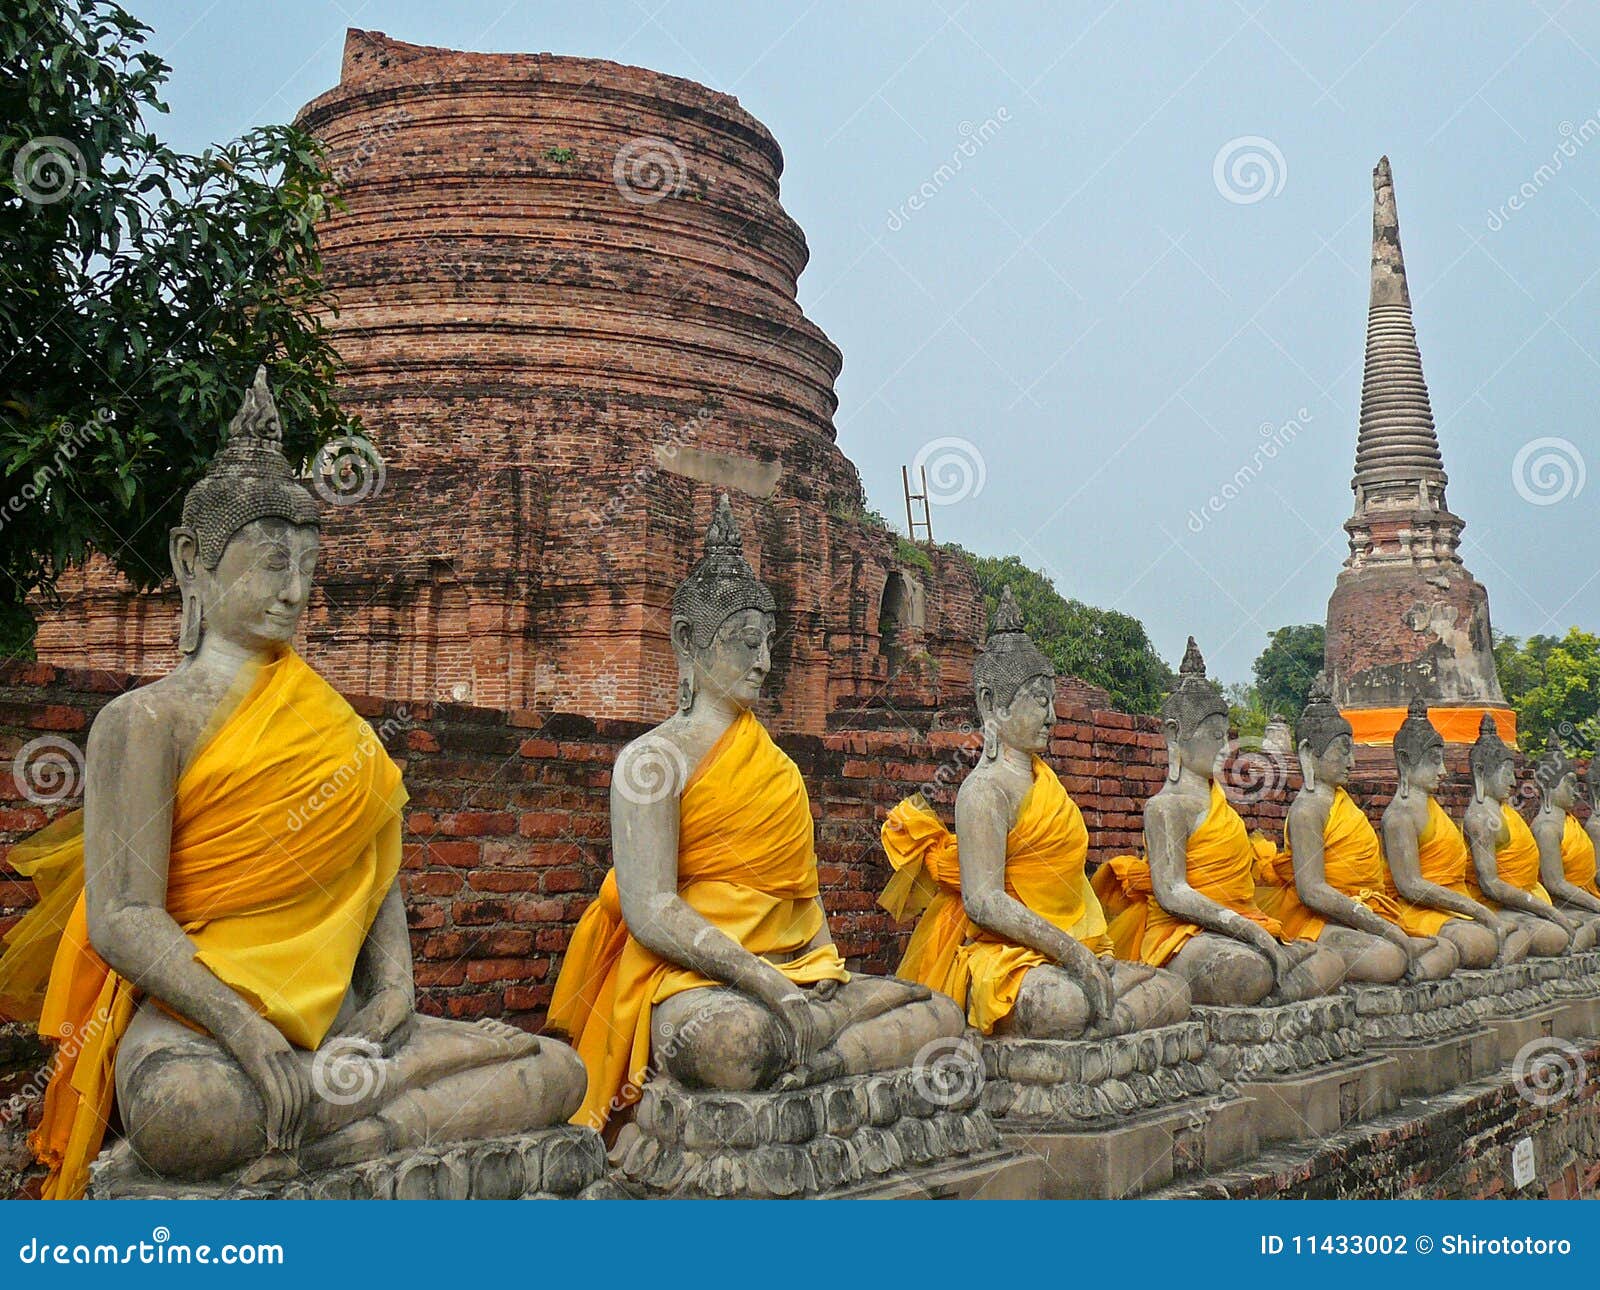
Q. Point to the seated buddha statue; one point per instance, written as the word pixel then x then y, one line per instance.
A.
pixel 1566 850
pixel 1010 927
pixel 706 955
pixel 1426 858
pixel 1504 874
pixel 1332 884
pixel 1190 903
pixel 220 932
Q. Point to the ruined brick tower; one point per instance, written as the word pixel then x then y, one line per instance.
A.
pixel 1405 617
pixel 566 294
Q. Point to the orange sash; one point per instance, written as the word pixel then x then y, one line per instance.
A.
pixel 1221 867
pixel 285 841
pixel 1045 853
pixel 1516 860
pixel 747 864
pixel 1578 856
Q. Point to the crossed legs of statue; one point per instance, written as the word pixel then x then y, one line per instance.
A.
pixel 1222 971
pixel 1052 1005
pixel 1545 939
pixel 1588 921
pixel 189 1110
pixel 1477 945
pixel 1372 960
pixel 720 1038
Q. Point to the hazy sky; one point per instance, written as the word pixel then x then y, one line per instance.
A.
pixel 1116 317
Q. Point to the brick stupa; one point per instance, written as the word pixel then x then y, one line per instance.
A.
pixel 1405 618
pixel 567 310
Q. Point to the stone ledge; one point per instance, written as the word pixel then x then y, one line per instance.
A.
pixel 835 1138
pixel 1071 1084
pixel 1422 1012
pixel 1281 1041
pixel 1511 991
pixel 549 1164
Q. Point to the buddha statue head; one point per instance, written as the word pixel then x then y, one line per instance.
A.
pixel 1493 764
pixel 1592 780
pixel 1418 751
pixel 1194 719
pixel 246 549
pixel 1325 740
pixel 1014 684
pixel 1557 779
pixel 723 619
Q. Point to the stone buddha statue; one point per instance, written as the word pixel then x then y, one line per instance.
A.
pixel 1566 849
pixel 706 955
pixel 1010 927
pixel 220 933
pixel 1504 874
pixel 1190 905
pixel 1426 858
pixel 1335 891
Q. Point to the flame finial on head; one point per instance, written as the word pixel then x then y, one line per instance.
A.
pixel 1321 722
pixel 723 583
pixel 1195 697
pixel 1009 659
pixel 249 479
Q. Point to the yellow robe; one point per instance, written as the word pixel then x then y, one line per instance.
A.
pixel 1221 867
pixel 1516 860
pixel 1045 853
pixel 1352 865
pixel 285 841
pixel 1578 856
pixel 746 864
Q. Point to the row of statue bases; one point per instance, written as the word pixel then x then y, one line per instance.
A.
pixel 230 1007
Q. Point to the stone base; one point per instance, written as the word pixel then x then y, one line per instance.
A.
pixel 545 1165
pixel 1575 979
pixel 1142 1152
pixel 1007 1174
pixel 1317 1103
pixel 902 1133
pixel 1513 1034
pixel 1424 1070
pixel 1431 1029
pixel 1116 1116
pixel 1282 1041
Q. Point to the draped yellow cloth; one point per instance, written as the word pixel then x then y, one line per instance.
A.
pixel 746 864
pixel 1352 864
pixel 1578 856
pixel 1222 862
pixel 1516 860
pixel 285 841
pixel 1444 859
pixel 1045 853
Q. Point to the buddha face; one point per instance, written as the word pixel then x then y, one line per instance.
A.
pixel 1564 796
pixel 1199 749
pixel 1498 780
pixel 736 662
pixel 1024 723
pixel 1425 773
pixel 256 595
pixel 1335 762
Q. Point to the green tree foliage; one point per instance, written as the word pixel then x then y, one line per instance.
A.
pixel 1553 683
pixel 139 289
pixel 1101 646
pixel 1285 669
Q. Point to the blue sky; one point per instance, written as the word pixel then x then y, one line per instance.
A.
pixel 1114 316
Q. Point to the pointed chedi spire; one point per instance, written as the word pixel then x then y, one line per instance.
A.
pixel 1406 618
pixel 1397 452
